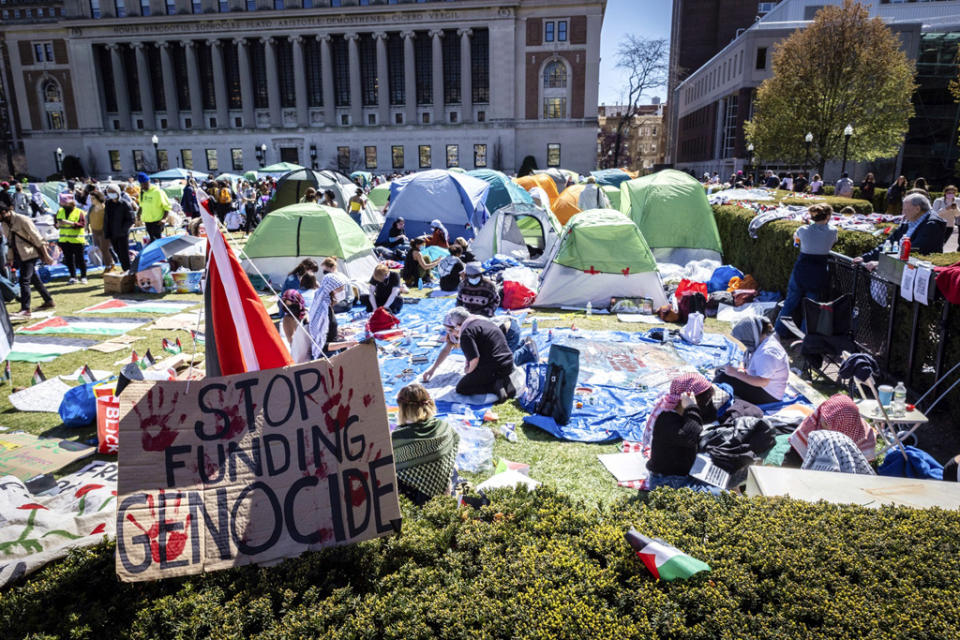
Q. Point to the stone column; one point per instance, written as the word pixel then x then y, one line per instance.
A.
pixel 146 88
pixel 326 80
pixel 300 80
pixel 356 94
pixel 383 79
pixel 246 83
pixel 193 80
pixel 169 86
pixel 409 77
pixel 220 84
pixel 437 60
pixel 273 82
pixel 120 87
pixel 466 80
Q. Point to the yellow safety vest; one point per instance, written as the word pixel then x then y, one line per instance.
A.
pixel 72 235
pixel 154 204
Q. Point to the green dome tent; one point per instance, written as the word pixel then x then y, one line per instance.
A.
pixel 293 185
pixel 601 255
pixel 672 211
pixel 613 195
pixel 379 195
pixel 288 235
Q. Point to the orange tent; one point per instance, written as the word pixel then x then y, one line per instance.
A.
pixel 567 205
pixel 543 181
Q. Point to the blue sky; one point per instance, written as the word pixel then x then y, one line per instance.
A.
pixel 645 18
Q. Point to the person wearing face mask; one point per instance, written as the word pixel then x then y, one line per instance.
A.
pixel 25 247
pixel 21 201
pixel 478 294
pixel 95 224
pixel 118 217
pixel 947 209
pixel 322 325
pixel 71 223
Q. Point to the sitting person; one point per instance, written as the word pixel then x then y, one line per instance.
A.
pixel 308 265
pixel 424 447
pixel 323 329
pixel 809 278
pixel 450 269
pixel 833 451
pixel 478 294
pixel 467 255
pixel 415 266
pixel 396 237
pixel 837 413
pixel 925 229
pixel 385 290
pixel 765 378
pixel 293 309
pixel 675 426
pixel 439 237
pixel 489 359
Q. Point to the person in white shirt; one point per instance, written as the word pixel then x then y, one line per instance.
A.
pixel 947 208
pixel 764 380
pixel 816 185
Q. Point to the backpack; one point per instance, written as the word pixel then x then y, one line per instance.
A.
pixel 550 387
pixel 223 196
pixel 691 302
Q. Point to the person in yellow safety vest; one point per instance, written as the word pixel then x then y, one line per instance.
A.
pixel 70 222
pixel 154 205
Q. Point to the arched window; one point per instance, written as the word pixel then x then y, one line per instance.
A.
pixel 555 98
pixel 53 105
pixel 555 75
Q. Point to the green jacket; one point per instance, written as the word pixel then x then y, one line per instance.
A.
pixel 154 204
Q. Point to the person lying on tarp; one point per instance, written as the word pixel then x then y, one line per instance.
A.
pixel 676 423
pixel 764 380
pixel 424 447
pixel 489 358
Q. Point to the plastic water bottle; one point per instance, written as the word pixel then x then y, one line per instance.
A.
pixel 535 327
pixel 589 308
pixel 420 283
pixel 886 246
pixel 899 405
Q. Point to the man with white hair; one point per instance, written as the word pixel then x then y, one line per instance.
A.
pixel 924 228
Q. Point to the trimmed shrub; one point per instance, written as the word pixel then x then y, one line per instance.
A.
pixel 542 566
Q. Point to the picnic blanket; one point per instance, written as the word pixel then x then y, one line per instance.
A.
pixel 119 305
pixel 59 325
pixel 45 348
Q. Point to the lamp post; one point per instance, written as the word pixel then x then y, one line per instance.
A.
pixel 847 133
pixel 313 157
pixel 808 139
pixel 156 149
pixel 263 155
pixel 750 161
pixel 58 156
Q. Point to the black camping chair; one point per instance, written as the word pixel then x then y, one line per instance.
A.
pixel 829 333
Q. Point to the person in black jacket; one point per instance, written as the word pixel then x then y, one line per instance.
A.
pixel 118 217
pixel 925 229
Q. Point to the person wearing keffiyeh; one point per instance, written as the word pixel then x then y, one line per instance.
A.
pixel 837 413
pixel 836 452
pixel 332 290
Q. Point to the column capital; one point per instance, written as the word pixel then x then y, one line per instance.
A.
pixel 190 44
pixel 268 40
pixel 379 35
pixel 408 35
pixel 213 42
pixel 325 37
pixel 240 42
pixel 137 45
pixel 163 44
pixel 467 31
pixel 112 46
pixel 297 38
pixel 353 35
pixel 436 33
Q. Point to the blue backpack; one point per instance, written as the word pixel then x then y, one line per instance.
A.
pixel 550 387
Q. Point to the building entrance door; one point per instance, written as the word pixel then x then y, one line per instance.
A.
pixel 290 154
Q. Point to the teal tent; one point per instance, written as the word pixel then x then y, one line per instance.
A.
pixel 503 190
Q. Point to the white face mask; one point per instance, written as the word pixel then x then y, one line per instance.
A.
pixel 340 296
pixel 113 196
pixel 474 280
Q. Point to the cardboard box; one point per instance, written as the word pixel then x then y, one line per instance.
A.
pixel 197 263
pixel 119 282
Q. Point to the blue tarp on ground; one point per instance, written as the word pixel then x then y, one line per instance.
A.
pixel 455 199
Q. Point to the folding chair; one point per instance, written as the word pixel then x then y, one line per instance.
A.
pixel 828 334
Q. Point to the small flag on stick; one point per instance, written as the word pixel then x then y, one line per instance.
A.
pixel 171 347
pixel 664 561
pixel 38 376
pixel 147 360
pixel 86 375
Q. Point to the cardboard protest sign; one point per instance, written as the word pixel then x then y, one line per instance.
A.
pixel 253 467
pixel 25 455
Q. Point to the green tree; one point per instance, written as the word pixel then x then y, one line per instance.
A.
pixel 844 68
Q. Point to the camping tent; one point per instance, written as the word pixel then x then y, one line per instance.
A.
pixel 288 235
pixel 674 216
pixel 280 168
pixel 610 177
pixel 379 195
pixel 364 177
pixel 456 199
pixel 513 229
pixel 178 174
pixel 559 177
pixel 573 200
pixel 503 190
pixel 292 186
pixel 543 181
pixel 601 254
pixel 613 195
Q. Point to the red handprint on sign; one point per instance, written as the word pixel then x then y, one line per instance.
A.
pixel 157 433
pixel 336 410
pixel 176 540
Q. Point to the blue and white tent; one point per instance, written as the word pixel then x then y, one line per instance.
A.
pixel 455 199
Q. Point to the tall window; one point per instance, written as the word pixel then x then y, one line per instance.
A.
pixel 285 71
pixel 395 69
pixel 308 4
pixel 115 164
pixel 236 159
pixel 555 76
pixel 561 30
pixel 312 62
pixel 555 90
pixel 231 60
pixel 343 159
pixel 425 159
pixel 453 155
pixel 396 154
pixel 367 50
pixel 548 31
pixel 278 4
pixel 156 79
pixel 180 72
pixel 94 9
pixel 341 71
pixel 258 64
pixel 761 58
pixel 145 7
pixel 187 156
pixel 137 160
pixel 730 127
pixel 106 74
pixel 121 8
pixel 207 75
pixel 554 108
pixel 553 154
pixel 480 66
pixel 163 161
pixel 223 6
pixel 53 105
pixel 171 6
pixel 370 157
pixel 132 72
pixel 251 5
pixel 479 155
pixel 196 6
pixel 423 62
pixel 212 165
pixel 451 67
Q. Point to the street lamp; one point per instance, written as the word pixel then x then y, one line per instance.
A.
pixel 156 149
pixel 847 133
pixel 750 160
pixel 313 156
pixel 808 139
pixel 58 156
pixel 263 155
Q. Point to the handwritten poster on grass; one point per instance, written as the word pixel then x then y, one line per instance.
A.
pixel 253 468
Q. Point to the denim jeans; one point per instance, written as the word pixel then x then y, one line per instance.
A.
pixel 807 280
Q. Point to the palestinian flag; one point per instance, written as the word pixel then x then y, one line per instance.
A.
pixel 664 561
pixel 171 347
pixel 38 376
pixel 134 357
pixel 86 375
pixel 147 360
pixel 197 336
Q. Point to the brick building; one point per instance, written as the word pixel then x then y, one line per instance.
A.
pixel 642 144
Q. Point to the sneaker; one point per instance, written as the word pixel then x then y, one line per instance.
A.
pixel 24 313
pixel 72 281
pixel 83 281
pixel 47 305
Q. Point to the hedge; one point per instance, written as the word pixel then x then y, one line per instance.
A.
pixel 542 566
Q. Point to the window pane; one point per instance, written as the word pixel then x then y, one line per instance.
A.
pixel 205 64
pixel 137 160
pixel 453 155
pixel 258 62
pixel 197 6
pixel 94 9
pixel 145 7
pixel 423 59
pixel 555 76
pixel 562 31
pixel 370 157
pixel 236 157
pixel 451 67
pixel 115 164
pixel 285 71
pixel 341 71
pixel 171 8
pixel 312 62
pixel 187 156
pixel 156 79
pixel 38 52
pixel 395 69
pixel 223 6
pixel 48 51
pixel 554 108
pixel 396 152
pixel 553 154
pixel 479 155
pixel 212 160
pixel 548 32
pixel 424 156
pixel 231 61
pixel 251 5
pixel 480 66
pixel 343 159
pixel 367 51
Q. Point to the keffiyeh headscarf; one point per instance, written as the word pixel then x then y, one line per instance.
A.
pixel 687 383
pixel 837 413
pixel 436 224
pixel 833 451
pixel 319 320
pixel 293 301
pixel 748 331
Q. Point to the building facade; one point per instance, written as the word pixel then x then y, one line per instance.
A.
pixel 229 85
pixel 642 144
pixel 712 103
